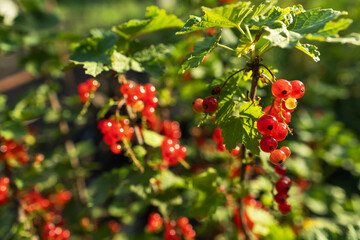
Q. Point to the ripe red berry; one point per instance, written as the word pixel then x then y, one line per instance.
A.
pixel 266 124
pixel 127 88
pixel 283 184
pixel 93 84
pixel 182 221
pixel 155 222
pixel 216 90
pixel 210 104
pixel 83 88
pixel 198 105
pixel 268 144
pixel 286 150
pixel 84 97
pixel 280 169
pixel 298 89
pixel 281 197
pixel 281 88
pixel 280 132
pixel 217 136
pixel 115 148
pixel 235 151
pixel 277 157
pixel 284 207
pixel 286 115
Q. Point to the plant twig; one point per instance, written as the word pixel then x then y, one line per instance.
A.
pixel 132 156
pixel 231 77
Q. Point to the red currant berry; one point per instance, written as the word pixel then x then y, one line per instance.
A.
pixel 235 151
pixel 210 104
pixel 127 88
pixel 284 207
pixel 139 91
pixel 277 157
pixel 217 136
pixel 281 88
pixel 280 169
pixel 298 89
pixel 266 124
pixel 280 132
pixel 116 148
pixel 281 197
pixel 182 221
pixel 93 84
pixel 286 150
pixel 84 97
pixel 283 184
pixel 268 144
pixel 198 105
pixel 83 88
pixel 216 90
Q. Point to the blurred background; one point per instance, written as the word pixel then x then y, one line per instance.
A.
pixel 326 142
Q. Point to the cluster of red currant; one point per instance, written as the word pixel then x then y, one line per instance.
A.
pixel 54 232
pixel 10 150
pixel 274 123
pixel 173 229
pixel 282 186
pixel 155 222
pixel 220 143
pixel 208 104
pixel 85 89
pixel 50 209
pixel 142 98
pixel 4 188
pixel 115 131
pixel 172 152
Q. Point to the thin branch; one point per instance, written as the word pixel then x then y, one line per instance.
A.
pixel 225 47
pixel 273 76
pixel 132 156
pixel 231 77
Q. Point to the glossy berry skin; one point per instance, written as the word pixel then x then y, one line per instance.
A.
pixel 268 144
pixel 155 222
pixel 283 184
pixel 286 150
pixel 280 132
pixel 266 124
pixel 281 197
pixel 277 157
pixel 280 170
pixel 281 88
pixel 298 89
pixel 210 104
pixel 284 207
pixel 116 148
pixel 285 114
pixel 198 105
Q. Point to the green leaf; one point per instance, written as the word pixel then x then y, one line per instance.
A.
pixel 331 29
pixel 274 15
pixel 226 105
pixel 201 49
pixel 170 180
pixel 152 53
pixel 242 129
pixel 3 99
pixel 312 21
pixel 310 50
pixel 353 38
pixel 13 130
pixel 229 16
pixel 281 37
pixel 158 20
pixel 94 52
pixel 152 138
pixel 122 64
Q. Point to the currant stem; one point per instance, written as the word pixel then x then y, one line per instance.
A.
pixel 273 76
pixel 132 156
pixel 231 77
pixel 225 47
